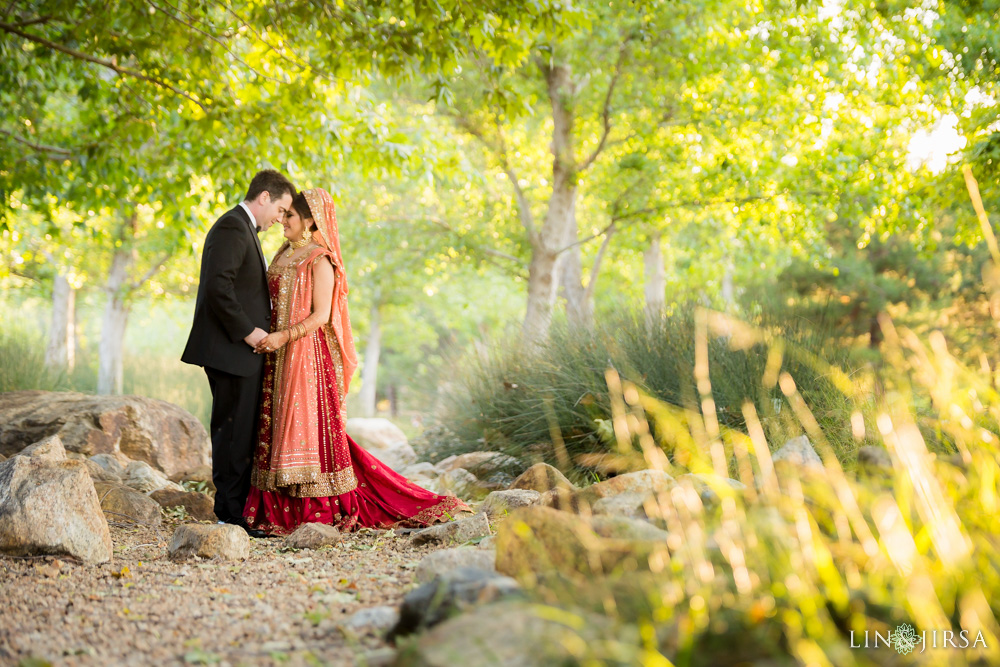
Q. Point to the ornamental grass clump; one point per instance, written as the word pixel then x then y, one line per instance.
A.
pixel 550 402
pixel 896 565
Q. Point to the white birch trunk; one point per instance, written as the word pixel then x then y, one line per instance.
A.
pixel 111 350
pixel 655 276
pixel 61 350
pixel 369 370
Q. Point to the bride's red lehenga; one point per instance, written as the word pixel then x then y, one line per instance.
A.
pixel 306 468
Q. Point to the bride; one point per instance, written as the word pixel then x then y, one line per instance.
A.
pixel 306 468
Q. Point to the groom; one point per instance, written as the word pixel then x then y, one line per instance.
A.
pixel 231 315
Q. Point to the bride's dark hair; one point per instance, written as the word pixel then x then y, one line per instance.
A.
pixel 301 207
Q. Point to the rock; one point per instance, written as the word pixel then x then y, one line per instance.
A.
pixel 537 540
pixel 372 619
pixel 432 485
pixel 51 508
pixel 440 563
pixel 142 477
pixel 625 528
pixel 462 483
pixel 874 458
pixel 460 590
pixel 515 633
pixel 423 469
pixel 222 541
pixel 480 464
pixel 460 530
pixel 542 477
pixel 500 503
pixel 197 505
pixel 122 503
pixel 99 474
pixel 49 449
pixel 643 481
pixel 313 536
pixel 383 439
pixel 2 458
pixel 109 463
pixel 631 504
pixel 799 451
pixel 708 484
pixel 489 542
pixel 200 476
pixel 498 481
pixel 133 427
pixel 202 473
pixel 560 499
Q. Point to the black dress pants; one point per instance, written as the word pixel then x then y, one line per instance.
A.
pixel 235 412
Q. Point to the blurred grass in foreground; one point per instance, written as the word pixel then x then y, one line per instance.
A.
pixel 783 571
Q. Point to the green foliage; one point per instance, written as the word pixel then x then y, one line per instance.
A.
pixel 551 403
pixel 785 571
pixel 22 362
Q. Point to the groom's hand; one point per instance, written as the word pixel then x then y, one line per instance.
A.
pixel 255 337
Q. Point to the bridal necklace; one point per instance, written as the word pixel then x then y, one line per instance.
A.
pixel 295 245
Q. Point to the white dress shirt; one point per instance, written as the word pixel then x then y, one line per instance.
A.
pixel 253 228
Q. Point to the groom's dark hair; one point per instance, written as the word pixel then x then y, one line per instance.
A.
pixel 272 182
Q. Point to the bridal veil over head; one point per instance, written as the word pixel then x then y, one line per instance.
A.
pixel 327 235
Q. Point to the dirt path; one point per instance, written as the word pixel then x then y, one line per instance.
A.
pixel 279 607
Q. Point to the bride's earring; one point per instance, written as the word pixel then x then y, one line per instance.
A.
pixel 307 234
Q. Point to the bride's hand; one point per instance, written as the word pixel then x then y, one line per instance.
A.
pixel 271 342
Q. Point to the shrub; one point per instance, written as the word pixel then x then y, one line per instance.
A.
pixel 551 403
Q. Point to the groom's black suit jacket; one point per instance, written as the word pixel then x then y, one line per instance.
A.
pixel 232 298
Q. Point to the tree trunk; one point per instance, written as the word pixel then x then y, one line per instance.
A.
pixel 560 217
pixel 61 350
pixel 111 350
pixel 369 370
pixel 579 306
pixel 655 279
pixel 728 289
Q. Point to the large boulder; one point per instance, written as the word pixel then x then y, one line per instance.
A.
pixel 458 531
pixel 444 596
pixel 516 632
pixel 383 440
pixel 542 477
pixel 123 503
pixel 441 563
pixel 222 541
pixel 197 505
pixel 51 507
pixel 131 427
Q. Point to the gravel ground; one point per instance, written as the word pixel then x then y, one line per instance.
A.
pixel 280 607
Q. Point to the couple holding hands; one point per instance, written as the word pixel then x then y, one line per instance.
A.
pixel 275 341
